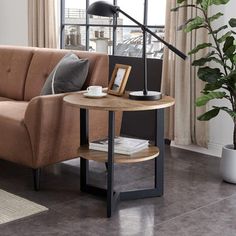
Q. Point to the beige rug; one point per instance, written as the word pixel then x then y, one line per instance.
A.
pixel 13 207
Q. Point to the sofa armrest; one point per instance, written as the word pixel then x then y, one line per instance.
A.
pixel 54 128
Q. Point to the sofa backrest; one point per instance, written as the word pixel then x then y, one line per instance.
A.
pixel 24 70
pixel 14 64
pixel 44 60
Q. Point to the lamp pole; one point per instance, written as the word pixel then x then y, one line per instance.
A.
pixel 145 87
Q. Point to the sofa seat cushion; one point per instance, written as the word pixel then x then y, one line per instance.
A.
pixel 14 139
pixel 2 99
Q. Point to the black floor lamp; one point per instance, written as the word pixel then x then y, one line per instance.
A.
pixel 101 8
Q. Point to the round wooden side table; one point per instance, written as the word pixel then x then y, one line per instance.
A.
pixel 112 104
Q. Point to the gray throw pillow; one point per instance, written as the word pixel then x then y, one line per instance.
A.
pixel 69 75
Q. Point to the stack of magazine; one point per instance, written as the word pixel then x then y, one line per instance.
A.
pixel 123 145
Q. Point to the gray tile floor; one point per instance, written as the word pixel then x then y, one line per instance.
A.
pixel 196 201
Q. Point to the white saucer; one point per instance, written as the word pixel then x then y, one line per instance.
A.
pixel 95 96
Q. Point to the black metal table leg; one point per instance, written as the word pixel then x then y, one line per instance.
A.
pixel 110 164
pixel 160 143
pixel 84 164
pixel 158 189
pixel 36 176
pixel 113 197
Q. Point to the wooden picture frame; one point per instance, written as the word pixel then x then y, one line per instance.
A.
pixel 119 79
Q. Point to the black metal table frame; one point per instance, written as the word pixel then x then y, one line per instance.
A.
pixel 113 197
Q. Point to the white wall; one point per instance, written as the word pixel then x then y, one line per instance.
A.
pixel 14 22
pixel 221 127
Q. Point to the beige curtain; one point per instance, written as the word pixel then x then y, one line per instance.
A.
pixel 180 81
pixel 42 23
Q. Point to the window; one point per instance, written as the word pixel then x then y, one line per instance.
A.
pixel 94 33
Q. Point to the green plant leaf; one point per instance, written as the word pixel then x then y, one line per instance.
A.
pixel 215 17
pixel 200 62
pixel 209 115
pixel 195 23
pixel 180 1
pixel 209 75
pixel 198 1
pixel 218 61
pixel 203 61
pixel 224 37
pixel 230 52
pixel 230 78
pixel 182 6
pixel 220 2
pixel 232 22
pixel 203 100
pixel 228 43
pixel 219 29
pixel 181 27
pixel 212 87
pixel 228 110
pixel 234 58
pixel 205 4
pixel 199 47
pixel 229 47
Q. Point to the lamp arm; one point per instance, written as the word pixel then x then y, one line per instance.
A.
pixel 145 28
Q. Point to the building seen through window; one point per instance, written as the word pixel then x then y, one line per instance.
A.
pixel 95 33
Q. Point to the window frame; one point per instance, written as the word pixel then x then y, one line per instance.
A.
pixel 114 26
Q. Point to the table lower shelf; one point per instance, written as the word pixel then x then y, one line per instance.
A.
pixel 144 155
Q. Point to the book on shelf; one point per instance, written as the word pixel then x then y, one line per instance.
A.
pixel 122 145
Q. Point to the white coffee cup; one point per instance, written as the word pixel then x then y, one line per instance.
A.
pixel 94 90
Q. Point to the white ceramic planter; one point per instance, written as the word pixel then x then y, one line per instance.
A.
pixel 228 164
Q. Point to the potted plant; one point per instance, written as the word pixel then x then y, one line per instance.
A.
pixel 220 79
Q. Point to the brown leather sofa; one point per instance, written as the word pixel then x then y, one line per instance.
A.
pixel 37 131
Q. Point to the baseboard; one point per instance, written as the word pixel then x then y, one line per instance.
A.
pixel 212 150
pixel 216 148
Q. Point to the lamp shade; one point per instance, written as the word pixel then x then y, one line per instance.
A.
pixel 102 8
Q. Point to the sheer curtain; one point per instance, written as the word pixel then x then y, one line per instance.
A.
pixel 180 81
pixel 42 22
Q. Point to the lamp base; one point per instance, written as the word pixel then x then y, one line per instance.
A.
pixel 150 96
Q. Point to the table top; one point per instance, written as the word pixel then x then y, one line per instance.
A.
pixel 115 103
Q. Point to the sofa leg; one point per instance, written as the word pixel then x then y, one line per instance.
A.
pixel 36 176
pixel 167 142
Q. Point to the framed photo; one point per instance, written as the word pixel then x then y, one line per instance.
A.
pixel 119 79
